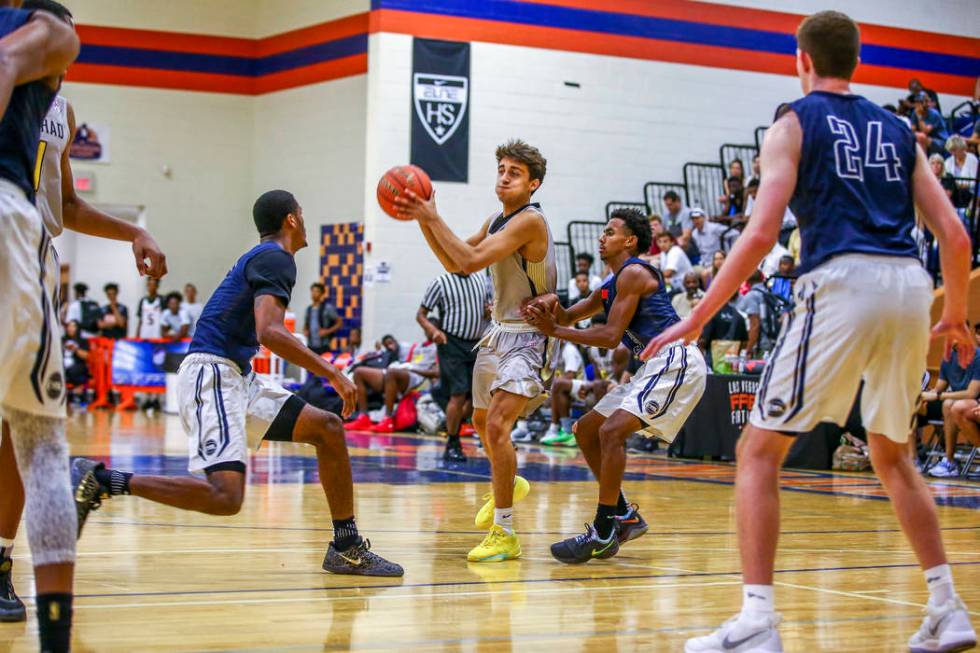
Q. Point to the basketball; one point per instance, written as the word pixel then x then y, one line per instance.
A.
pixel 399 179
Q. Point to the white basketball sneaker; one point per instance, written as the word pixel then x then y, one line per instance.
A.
pixel 946 629
pixel 740 634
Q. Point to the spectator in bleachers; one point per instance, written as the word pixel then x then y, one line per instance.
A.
pixel 750 193
pixel 656 228
pixel 684 302
pixel 770 264
pixel 753 305
pixel 355 347
pixel 192 306
pixel 756 171
pixel 961 165
pixel 782 284
pixel 938 166
pixel 737 169
pixel 916 87
pixel 321 320
pixel 727 326
pixel 583 264
pixel 572 365
pixel 903 116
pixel 175 323
pixel 707 235
pixel 966 412
pixel 733 201
pixel 674 263
pixel 84 311
pixel 955 384
pixel 149 310
pixel 677 219
pixel 114 317
pixel 401 378
pixel 76 352
pixel 929 125
pixel 717 260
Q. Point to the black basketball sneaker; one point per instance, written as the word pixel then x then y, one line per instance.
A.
pixel 11 607
pixel 585 547
pixel 359 561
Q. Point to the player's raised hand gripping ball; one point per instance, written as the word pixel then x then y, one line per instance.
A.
pixel 396 182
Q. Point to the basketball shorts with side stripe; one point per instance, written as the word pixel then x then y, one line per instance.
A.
pixel 32 378
pixel 663 392
pixel 225 413
pixel 857 317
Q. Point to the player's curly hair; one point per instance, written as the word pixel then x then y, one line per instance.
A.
pixel 638 225
pixel 529 155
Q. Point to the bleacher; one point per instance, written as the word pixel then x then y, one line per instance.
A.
pixel 703 183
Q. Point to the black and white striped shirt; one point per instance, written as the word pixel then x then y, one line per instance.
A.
pixel 461 302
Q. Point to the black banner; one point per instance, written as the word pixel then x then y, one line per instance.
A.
pixel 440 116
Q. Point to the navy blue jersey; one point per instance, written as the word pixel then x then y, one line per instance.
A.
pixel 854 189
pixel 20 128
pixel 227 324
pixel 654 312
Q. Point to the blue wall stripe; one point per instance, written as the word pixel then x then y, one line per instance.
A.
pixel 672 30
pixel 223 64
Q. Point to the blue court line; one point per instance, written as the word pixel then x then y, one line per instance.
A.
pixel 563 635
pixel 469 583
pixel 478 532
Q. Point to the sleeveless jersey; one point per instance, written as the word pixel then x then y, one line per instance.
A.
pixel 54 140
pixel 20 128
pixel 516 279
pixel 654 312
pixel 854 189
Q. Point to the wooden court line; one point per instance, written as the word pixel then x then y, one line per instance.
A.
pixel 448 595
pixel 880 599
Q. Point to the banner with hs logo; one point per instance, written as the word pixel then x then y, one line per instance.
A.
pixel 440 99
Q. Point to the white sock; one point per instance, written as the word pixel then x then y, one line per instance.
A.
pixel 552 429
pixel 504 517
pixel 757 600
pixel 939 580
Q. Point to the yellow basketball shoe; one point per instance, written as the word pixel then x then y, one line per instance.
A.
pixel 484 518
pixel 497 546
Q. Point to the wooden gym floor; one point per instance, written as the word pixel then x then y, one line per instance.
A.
pixel 150 578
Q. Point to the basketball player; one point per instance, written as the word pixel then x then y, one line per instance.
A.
pixel 850 171
pixel 36 49
pixel 225 406
pixel 655 402
pixel 516 244
pixel 59 207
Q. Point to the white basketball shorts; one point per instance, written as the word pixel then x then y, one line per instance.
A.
pixel 225 413
pixel 663 392
pixel 32 377
pixel 857 317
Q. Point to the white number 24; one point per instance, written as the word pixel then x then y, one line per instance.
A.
pixel 877 154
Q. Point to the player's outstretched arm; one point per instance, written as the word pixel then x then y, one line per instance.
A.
pixel 633 282
pixel 44 47
pixel 270 313
pixel 467 257
pixel 954 257
pixel 84 218
pixel 779 161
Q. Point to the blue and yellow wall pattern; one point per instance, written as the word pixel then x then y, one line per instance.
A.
pixel 342 271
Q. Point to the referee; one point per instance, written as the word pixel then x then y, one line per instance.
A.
pixel 461 301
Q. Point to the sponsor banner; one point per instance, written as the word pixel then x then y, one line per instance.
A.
pixel 91 143
pixel 440 108
pixel 140 362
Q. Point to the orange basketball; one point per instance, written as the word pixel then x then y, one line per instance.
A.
pixel 399 179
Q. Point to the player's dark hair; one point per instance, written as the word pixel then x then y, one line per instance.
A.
pixel 110 286
pixel 753 183
pixel 833 41
pixel 271 209
pixel 672 196
pixel 529 155
pixel 174 295
pixel 80 288
pixel 638 225
pixel 50 6
pixel 581 274
pixel 585 256
pixel 317 284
